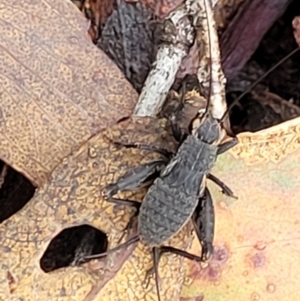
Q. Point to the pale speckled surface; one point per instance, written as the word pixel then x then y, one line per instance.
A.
pixel 257 236
pixel 57 89
pixel 78 184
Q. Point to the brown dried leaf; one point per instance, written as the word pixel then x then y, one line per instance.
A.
pixel 57 88
pixel 257 236
pixel 73 198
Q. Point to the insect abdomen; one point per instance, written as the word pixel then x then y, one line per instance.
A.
pixel 172 198
pixel 164 211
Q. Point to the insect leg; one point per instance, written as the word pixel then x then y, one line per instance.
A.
pixel 227 145
pixel 176 130
pixel 130 203
pixel 125 202
pixel 225 189
pixel 134 179
pixel 146 147
pixel 156 257
pixel 168 249
pixel 119 247
pixel 204 224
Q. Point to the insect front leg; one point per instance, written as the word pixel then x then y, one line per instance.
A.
pixel 176 130
pixel 204 224
pixel 135 178
pixel 222 148
pixel 130 203
pixel 225 189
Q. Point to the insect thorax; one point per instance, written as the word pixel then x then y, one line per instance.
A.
pixel 193 160
pixel 208 130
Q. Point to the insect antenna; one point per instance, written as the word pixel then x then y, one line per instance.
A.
pixel 258 81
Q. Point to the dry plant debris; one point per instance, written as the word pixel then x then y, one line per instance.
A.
pixel 160 8
pixel 245 31
pixel 276 99
pixel 256 236
pixel 177 37
pixel 97 12
pixel 128 32
pixel 179 33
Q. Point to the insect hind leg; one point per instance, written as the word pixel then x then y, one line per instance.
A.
pixel 156 255
pixel 204 224
pixel 125 202
pixel 127 243
pixel 136 178
pixel 182 253
pixel 157 252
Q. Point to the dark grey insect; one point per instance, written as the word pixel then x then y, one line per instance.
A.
pixel 179 192
pixel 173 197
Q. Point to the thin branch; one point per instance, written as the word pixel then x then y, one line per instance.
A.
pixel 210 74
pixel 177 37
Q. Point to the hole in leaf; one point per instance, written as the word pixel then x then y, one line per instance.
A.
pixel 71 245
pixel 15 191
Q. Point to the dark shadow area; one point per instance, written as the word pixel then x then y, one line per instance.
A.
pixel 71 245
pixel 15 191
pixel 277 97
